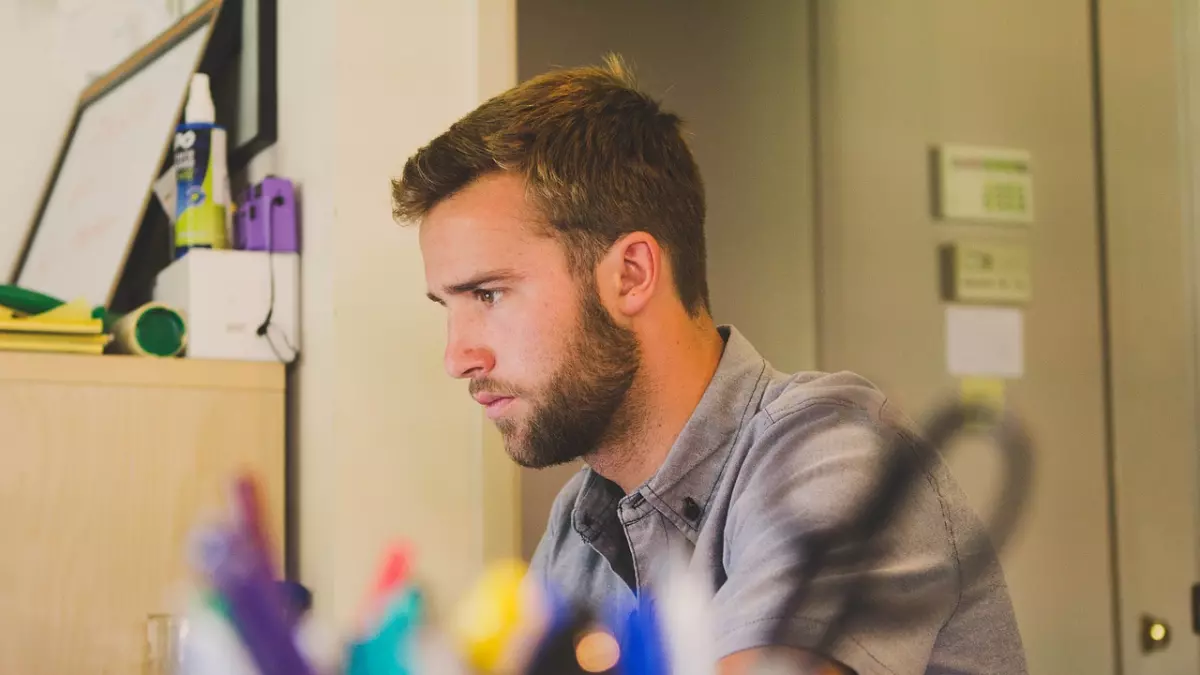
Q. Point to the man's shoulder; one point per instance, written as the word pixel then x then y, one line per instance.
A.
pixel 804 416
pixel 810 457
pixel 814 442
pixel 794 398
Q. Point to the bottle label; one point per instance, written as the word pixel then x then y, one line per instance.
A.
pixel 200 200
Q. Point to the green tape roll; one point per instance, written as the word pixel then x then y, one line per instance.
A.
pixel 150 330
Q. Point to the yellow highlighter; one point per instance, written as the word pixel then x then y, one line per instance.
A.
pixel 500 620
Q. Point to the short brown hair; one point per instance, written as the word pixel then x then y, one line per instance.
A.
pixel 601 159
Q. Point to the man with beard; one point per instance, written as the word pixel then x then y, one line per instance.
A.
pixel 562 228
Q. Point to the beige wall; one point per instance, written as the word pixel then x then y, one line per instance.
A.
pixel 895 77
pixel 1150 219
pixel 388 445
pixel 738 75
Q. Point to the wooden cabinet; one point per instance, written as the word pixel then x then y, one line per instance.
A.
pixel 106 464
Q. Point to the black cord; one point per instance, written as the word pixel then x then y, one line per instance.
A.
pixel 850 551
pixel 264 329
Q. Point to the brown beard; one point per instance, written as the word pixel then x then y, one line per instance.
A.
pixel 587 402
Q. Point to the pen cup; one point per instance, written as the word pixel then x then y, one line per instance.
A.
pixel 164 642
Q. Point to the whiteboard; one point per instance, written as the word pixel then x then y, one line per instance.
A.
pixel 91 38
pixel 96 202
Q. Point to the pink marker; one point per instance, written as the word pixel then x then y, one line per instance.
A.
pixel 392 576
pixel 249 517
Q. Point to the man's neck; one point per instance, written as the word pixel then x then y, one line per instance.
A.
pixel 678 362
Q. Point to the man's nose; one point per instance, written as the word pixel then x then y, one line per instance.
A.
pixel 467 356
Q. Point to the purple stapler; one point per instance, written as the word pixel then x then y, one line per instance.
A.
pixel 266 218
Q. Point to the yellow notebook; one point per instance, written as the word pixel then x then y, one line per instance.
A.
pixel 73 317
pixel 53 342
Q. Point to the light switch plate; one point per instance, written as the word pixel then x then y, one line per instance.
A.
pixel 986 272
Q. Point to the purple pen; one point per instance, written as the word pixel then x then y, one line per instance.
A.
pixel 256 606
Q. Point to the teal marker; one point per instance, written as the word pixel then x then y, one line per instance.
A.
pixel 391 648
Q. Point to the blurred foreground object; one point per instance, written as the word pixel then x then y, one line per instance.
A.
pixel 849 550
pixel 509 623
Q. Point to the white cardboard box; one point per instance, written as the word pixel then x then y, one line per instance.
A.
pixel 225 297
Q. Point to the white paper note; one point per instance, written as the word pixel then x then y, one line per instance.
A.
pixel 985 341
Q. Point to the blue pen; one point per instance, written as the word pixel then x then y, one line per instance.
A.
pixel 643 645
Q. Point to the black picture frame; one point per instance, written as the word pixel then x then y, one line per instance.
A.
pixel 246 35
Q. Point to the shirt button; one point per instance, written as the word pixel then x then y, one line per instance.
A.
pixel 691 510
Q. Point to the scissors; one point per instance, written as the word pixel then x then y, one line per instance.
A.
pixel 849 550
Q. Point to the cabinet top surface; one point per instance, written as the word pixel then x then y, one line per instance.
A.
pixel 115 369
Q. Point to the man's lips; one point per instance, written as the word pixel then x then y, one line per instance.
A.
pixel 494 404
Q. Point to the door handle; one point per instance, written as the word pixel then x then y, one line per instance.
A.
pixel 1156 634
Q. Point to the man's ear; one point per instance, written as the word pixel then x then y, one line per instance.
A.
pixel 633 268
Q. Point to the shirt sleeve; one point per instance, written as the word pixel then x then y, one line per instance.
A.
pixel 811 471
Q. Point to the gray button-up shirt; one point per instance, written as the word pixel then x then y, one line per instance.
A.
pixel 764 456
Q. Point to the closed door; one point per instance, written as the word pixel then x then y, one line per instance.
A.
pixel 1148 65
pixel 895 78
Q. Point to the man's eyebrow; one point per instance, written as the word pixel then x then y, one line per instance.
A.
pixel 475 283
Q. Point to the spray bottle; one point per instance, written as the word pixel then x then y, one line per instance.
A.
pixel 201 174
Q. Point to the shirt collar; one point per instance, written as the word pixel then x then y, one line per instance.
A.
pixel 683 486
